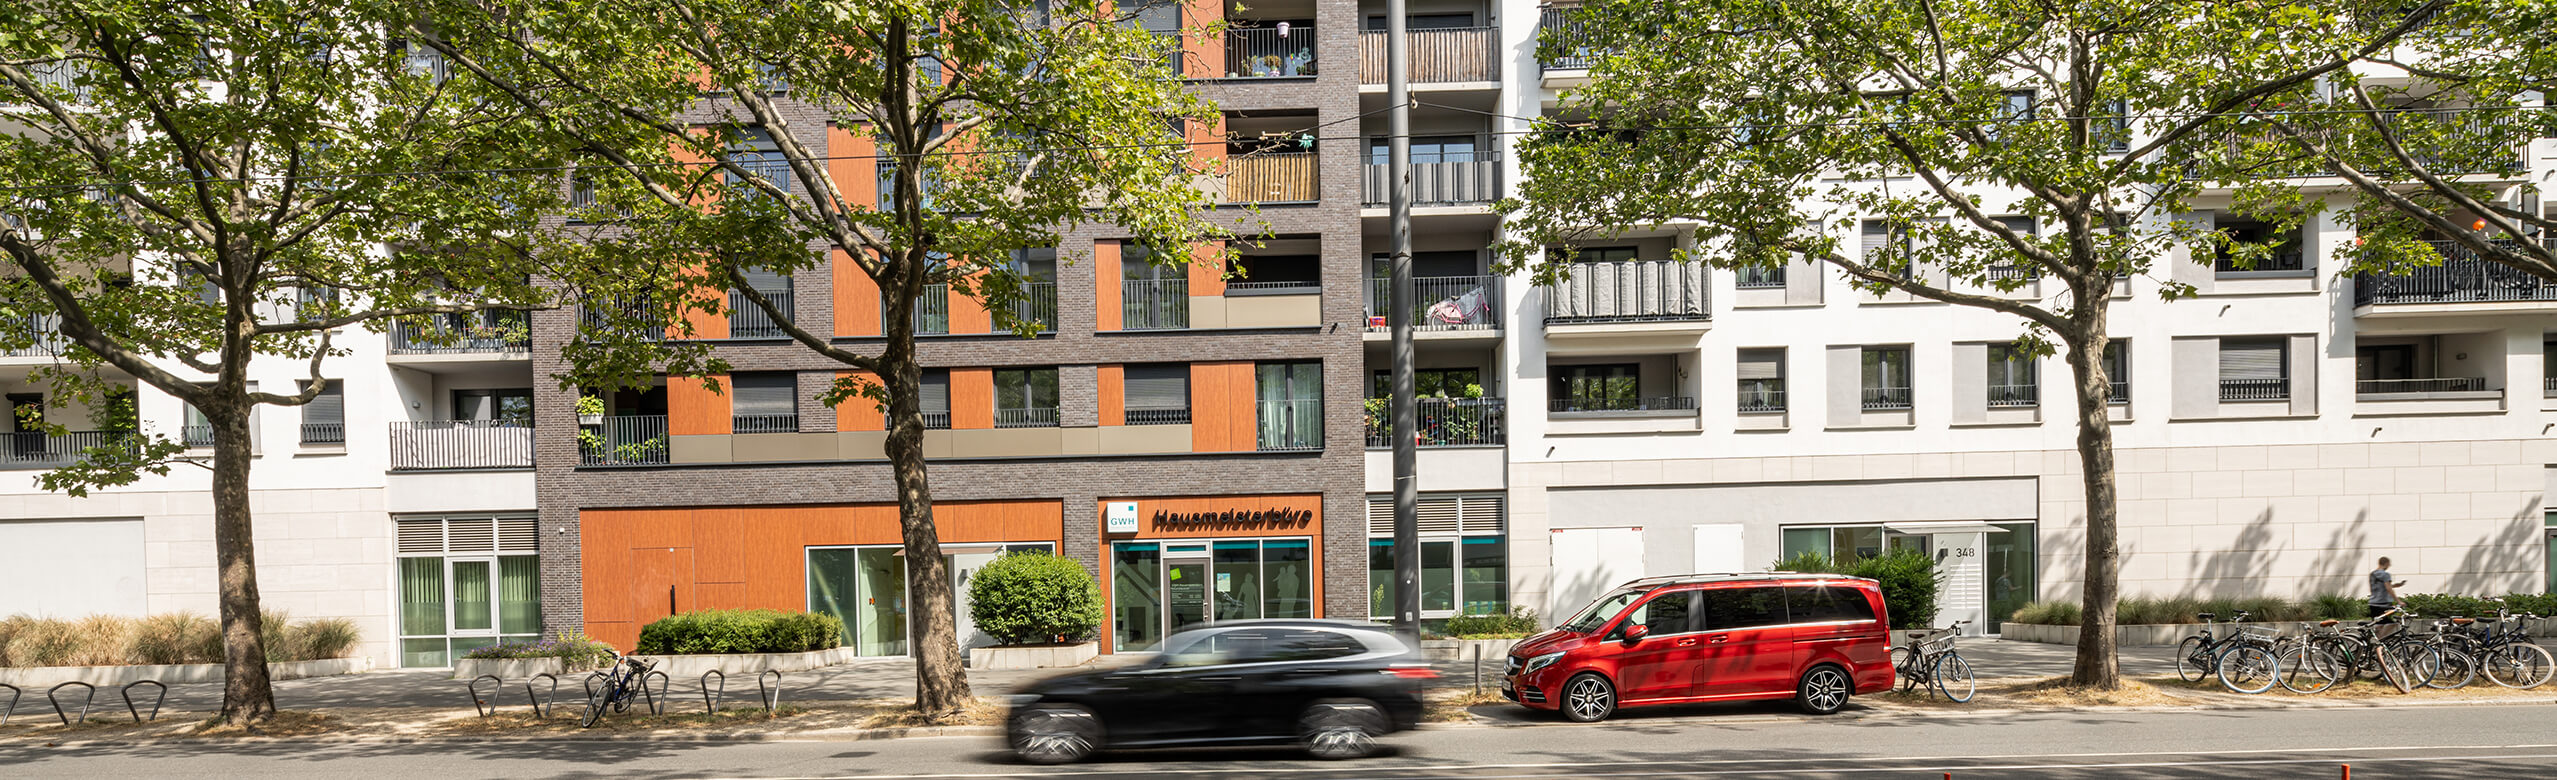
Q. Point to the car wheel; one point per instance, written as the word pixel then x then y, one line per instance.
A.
pixel 1341 728
pixel 1053 733
pixel 1588 699
pixel 1824 690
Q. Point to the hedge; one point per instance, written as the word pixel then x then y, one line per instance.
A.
pixel 2144 611
pixel 1518 622
pixel 1031 597
pixel 728 631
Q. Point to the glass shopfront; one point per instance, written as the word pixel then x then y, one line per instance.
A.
pixel 466 583
pixel 866 587
pixel 1161 587
pixel 1990 568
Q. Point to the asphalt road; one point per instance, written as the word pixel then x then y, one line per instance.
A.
pixel 2379 742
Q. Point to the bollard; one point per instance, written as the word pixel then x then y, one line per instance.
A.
pixel 1478 671
pixel 2348 772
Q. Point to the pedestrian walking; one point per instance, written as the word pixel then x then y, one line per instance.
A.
pixel 2383 589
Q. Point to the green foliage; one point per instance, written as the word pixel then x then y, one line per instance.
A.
pixel 2166 610
pixel 2048 613
pixel 1033 597
pixel 725 631
pixel 2337 606
pixel 1908 580
pixel 1517 622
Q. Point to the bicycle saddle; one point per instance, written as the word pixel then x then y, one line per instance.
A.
pixel 2461 621
pixel 2326 624
pixel 2207 615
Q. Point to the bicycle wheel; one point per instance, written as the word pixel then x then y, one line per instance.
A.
pixel 2519 665
pixel 2350 654
pixel 2456 670
pixel 2249 668
pixel 1903 677
pixel 2307 667
pixel 1952 677
pixel 2192 659
pixel 2411 665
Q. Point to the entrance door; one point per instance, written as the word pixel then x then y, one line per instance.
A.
pixel 964 567
pixel 1588 562
pixel 474 602
pixel 1185 586
pixel 1958 562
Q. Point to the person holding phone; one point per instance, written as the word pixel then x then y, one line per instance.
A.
pixel 2383 589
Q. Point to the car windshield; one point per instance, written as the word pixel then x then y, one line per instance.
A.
pixel 1600 611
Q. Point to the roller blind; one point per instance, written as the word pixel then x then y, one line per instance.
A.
pixel 329 408
pixel 764 393
pixel 2252 359
pixel 1877 239
pixel 1761 364
pixel 1158 387
pixel 936 392
pixel 2022 225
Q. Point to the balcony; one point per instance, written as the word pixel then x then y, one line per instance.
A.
pixel 1026 418
pixel 62 75
pixel 1453 55
pixel 2255 389
pixel 2014 396
pixel 1038 303
pixel 623 317
pixel 1622 406
pixel 2463 277
pixel 1557 24
pixel 2451 143
pixel 764 423
pixel 449 337
pixel 748 321
pixel 1438 183
pixel 42 332
pixel 1444 422
pixel 932 310
pixel 1441 304
pixel 431 445
pixel 1885 399
pixel 1290 426
pixel 769 167
pixel 632 440
pixel 1272 177
pixel 1638 291
pixel 1264 53
pixel 39 451
pixel 1154 304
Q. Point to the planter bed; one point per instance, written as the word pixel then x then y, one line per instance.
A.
pixel 747 665
pixel 38 677
pixel 1032 656
pixel 1463 650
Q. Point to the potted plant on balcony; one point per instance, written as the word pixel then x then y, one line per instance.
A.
pixel 590 410
pixel 1043 610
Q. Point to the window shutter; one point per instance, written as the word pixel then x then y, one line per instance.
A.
pixel 1438 514
pixel 1761 364
pixel 421 536
pixel 2022 225
pixel 1158 387
pixel 329 408
pixel 936 392
pixel 2251 359
pixel 1877 240
pixel 763 394
pixel 477 534
pixel 518 534
pixel 1483 515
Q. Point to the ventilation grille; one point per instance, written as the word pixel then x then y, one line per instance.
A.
pixel 478 534
pixel 519 534
pixel 421 536
pixel 437 535
pixel 1441 514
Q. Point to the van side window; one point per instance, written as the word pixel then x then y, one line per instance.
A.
pixel 1671 613
pixel 1817 604
pixel 1728 609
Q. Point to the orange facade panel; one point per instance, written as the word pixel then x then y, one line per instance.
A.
pixel 968 313
pixel 692 409
pixel 859 413
pixel 971 398
pixel 1114 395
pixel 855 174
pixel 1105 264
pixel 1207 270
pixel 1222 414
pixel 856 298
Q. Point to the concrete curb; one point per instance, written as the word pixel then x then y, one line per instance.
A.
pixel 853 735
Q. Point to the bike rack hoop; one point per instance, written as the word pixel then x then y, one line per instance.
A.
pixel 770 695
pixel 155 704
pixel 542 708
pixel 656 696
pixel 14 695
pixel 481 703
pixel 709 699
pixel 84 705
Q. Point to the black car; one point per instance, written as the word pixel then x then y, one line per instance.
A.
pixel 1332 687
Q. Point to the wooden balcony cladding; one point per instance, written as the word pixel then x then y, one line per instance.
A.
pixel 1105 263
pixel 971 398
pixel 1458 54
pixel 1281 177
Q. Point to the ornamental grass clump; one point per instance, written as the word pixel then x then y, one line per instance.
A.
pixel 167 638
pixel 1032 597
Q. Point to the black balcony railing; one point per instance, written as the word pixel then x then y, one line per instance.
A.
pixel 426 445
pixel 932 310
pixel 1034 417
pixel 1437 56
pixel 763 423
pixel 1600 406
pixel 1264 53
pixel 41 335
pixel 628 316
pixel 2255 389
pixel 324 433
pixel 62 75
pixel 1439 183
pixel 446 337
pixel 936 421
pixel 2463 277
pixel 631 440
pixel 2445 142
pixel 196 435
pixel 1884 399
pixel 1759 277
pixel 1441 302
pixel 1760 396
pixel 767 166
pixel 37 450
pixel 1038 303
pixel 1443 422
pixel 1631 291
pixel 2121 392
pixel 1574 36
pixel 1154 304
pixel 2011 396
pixel 1291 425
pixel 748 321
pixel 1157 415
pixel 2447 384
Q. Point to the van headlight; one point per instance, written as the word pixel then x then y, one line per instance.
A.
pixel 1540 662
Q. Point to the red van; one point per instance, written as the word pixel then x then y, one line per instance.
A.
pixel 1815 638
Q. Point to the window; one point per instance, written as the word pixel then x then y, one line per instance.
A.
pixel 1886 378
pixel 498 408
pixel 1886 248
pixel 2548 367
pixel 2255 369
pixel 1758 277
pixel 936 398
pixel 748 321
pixel 1595 388
pixel 1464 558
pixel 2273 251
pixel 1428 149
pixel 1668 613
pixel 1025 398
pixel 198 431
pixel 324 418
pixel 1604 254
pixel 2113 127
pixel 2010 266
pixel 2014 108
pixel 2012 378
pixel 1151 295
pixel 765 402
pixel 1445 21
pixel 466 583
pixel 1305 644
pixel 1157 394
pixel 1428 382
pixel 1290 397
pixel 2117 369
pixel 1731 609
pixel 1260 272
pixel 1762 380
pixel 757 153
pixel 1825 604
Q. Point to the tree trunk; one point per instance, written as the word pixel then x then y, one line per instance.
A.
pixel 2096 665
pixel 247 695
pixel 941 683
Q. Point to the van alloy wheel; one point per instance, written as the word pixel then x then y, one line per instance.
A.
pixel 1589 699
pixel 1824 690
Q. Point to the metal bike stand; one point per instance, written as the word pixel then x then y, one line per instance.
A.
pixel 710 699
pixel 14 696
pixel 542 707
pixel 770 695
pixel 480 702
pixel 84 706
pixel 656 696
pixel 155 704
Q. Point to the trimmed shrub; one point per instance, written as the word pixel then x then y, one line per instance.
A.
pixel 1032 597
pixel 1518 622
pixel 572 647
pixel 725 631
pixel 1908 578
pixel 178 638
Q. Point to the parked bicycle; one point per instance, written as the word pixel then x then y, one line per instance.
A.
pixel 2249 659
pixel 2381 646
pixel 622 686
pixel 1929 660
pixel 2503 650
pixel 2198 656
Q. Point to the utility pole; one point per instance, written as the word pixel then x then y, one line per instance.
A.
pixel 1398 317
